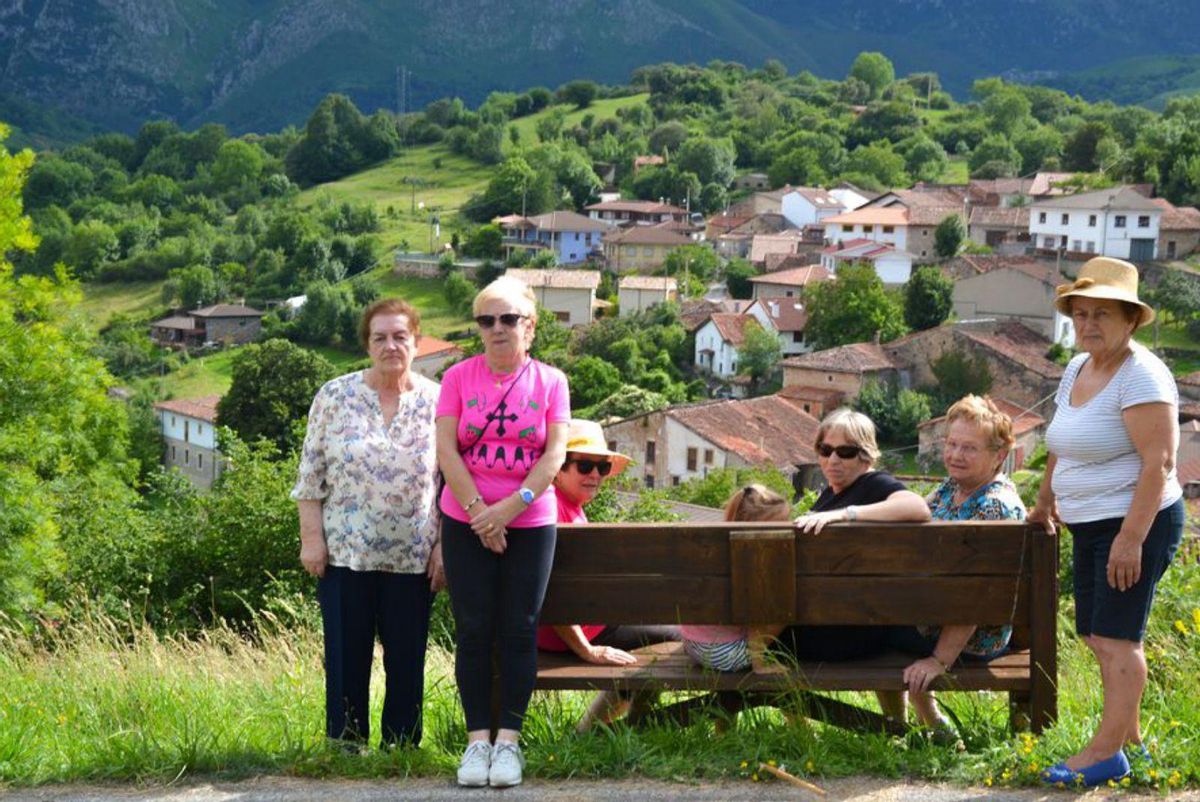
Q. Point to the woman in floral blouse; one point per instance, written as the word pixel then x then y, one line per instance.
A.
pixel 978 439
pixel 369 526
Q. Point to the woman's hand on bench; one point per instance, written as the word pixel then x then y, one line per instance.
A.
pixel 609 656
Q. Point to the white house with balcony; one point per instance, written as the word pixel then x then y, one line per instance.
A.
pixel 1118 222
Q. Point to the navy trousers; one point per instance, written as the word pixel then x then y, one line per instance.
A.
pixel 357 607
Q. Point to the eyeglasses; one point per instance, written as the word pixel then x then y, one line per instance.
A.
pixel 844 452
pixel 968 450
pixel 509 319
pixel 586 466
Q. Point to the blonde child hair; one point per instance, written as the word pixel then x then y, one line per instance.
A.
pixel 756 502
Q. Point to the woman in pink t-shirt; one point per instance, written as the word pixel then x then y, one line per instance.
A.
pixel 589 461
pixel 501 438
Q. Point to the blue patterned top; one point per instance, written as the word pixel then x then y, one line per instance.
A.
pixel 376 482
pixel 997 500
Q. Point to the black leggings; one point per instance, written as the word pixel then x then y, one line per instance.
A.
pixel 496 598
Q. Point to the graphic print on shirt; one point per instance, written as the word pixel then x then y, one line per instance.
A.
pixel 510 432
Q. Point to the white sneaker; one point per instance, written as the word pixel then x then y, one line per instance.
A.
pixel 475 763
pixel 507 763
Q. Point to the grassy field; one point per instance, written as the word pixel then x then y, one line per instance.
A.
pixel 103 700
pixel 1175 337
pixel 432 175
pixel 437 318
pixel 102 301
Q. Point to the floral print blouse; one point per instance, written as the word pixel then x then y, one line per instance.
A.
pixel 376 483
pixel 997 500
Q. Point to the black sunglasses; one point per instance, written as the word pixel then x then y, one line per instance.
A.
pixel 845 452
pixel 585 466
pixel 509 319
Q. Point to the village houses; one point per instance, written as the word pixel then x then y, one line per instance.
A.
pixel 569 294
pixel 786 318
pixel 640 249
pixel 571 237
pixel 718 341
pixel 639 293
pixel 1118 221
pixel 1019 291
pixel 636 212
pixel 673 445
pixel 788 283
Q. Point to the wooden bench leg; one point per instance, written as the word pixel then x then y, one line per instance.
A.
pixel 1019 712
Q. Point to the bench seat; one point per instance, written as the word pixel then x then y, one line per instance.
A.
pixel 667 667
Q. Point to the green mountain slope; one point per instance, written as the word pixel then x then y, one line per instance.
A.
pixel 262 64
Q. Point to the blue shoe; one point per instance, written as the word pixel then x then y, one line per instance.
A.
pixel 1114 768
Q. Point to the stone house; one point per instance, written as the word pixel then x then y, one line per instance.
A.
pixel 638 293
pixel 189 438
pixel 1178 231
pixel 229 324
pixel 1028 430
pixel 843 369
pixel 1004 229
pixel 785 243
pixel 640 249
pixel 816 401
pixel 684 442
pixel 788 283
pixel 569 294
pixel 1022 292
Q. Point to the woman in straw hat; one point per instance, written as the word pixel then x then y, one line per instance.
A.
pixel 589 462
pixel 1110 477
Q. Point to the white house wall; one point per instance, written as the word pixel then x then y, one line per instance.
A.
pixel 679 440
pixel 1103 238
pixel 187 429
pixel 724 355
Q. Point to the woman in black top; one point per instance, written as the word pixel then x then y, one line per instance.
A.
pixel 846 452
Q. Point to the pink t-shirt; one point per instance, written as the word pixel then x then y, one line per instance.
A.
pixel 514 431
pixel 568 513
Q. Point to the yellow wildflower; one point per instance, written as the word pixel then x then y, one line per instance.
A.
pixel 1153 774
pixel 770 762
pixel 1125 782
pixel 1196 617
pixel 551 758
pixel 810 766
pixel 743 765
pixel 988 782
pixel 1182 627
pixel 754 777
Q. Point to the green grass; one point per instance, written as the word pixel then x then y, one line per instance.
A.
pixel 102 301
pixel 210 374
pixel 1175 337
pixel 101 700
pixel 437 318
pixel 956 172
pixel 600 110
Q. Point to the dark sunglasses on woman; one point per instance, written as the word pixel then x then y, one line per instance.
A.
pixel 509 319
pixel 845 452
pixel 585 466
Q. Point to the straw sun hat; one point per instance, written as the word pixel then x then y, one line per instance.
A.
pixel 586 437
pixel 1104 277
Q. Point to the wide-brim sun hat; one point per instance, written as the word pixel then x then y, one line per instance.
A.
pixel 587 437
pixel 1108 278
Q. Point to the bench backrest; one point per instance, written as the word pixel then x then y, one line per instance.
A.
pixel 994 572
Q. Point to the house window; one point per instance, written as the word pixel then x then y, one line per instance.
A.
pixel 692 459
pixel 563 317
pixel 1170 249
pixel 1066 219
pixel 869 229
pixel 187 425
pixel 172 420
pixel 848 229
pixel 200 461
pixel 647 251
pixel 1091 246
pixel 1049 243
pixel 1143 221
pixel 173 456
pixel 708 456
pixel 649 480
pixel 629 250
pixel 788 294
pixel 199 428
pixel 1041 217
pixel 1075 245
pixel 1119 221
pixel 675 481
pixel 797 336
pixel 889 229
pixel 1091 221
pixel 650 452
pixel 187 457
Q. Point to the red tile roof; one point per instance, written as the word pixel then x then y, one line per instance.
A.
pixel 204 408
pixel 660 283
pixel 853 358
pixel 227 310
pixel 1178 218
pixel 1023 420
pixel 807 392
pixel 567 221
pixel 429 346
pixel 768 430
pixel 556 279
pixel 732 326
pixel 872 215
pixel 639 206
pixel 646 235
pixel 785 314
pixel 1020 344
pixel 794 277
pixel 1009 216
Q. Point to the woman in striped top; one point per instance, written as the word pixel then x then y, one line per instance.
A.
pixel 1111 478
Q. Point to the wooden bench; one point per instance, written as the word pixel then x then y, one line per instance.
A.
pixel 983 573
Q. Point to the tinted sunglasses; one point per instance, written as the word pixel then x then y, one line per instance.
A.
pixel 509 319
pixel 845 452
pixel 585 466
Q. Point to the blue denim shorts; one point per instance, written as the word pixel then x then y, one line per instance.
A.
pixel 1103 610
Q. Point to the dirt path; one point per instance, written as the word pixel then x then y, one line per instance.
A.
pixel 285 789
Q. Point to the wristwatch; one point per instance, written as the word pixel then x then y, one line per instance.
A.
pixel 527 496
pixel 851 513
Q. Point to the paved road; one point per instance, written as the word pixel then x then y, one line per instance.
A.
pixel 282 789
